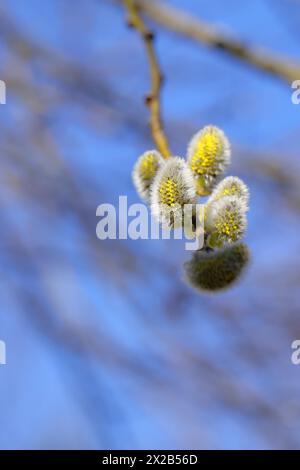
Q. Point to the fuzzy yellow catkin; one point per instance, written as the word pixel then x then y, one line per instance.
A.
pixel 145 170
pixel 172 188
pixel 208 156
pixel 230 186
pixel 225 221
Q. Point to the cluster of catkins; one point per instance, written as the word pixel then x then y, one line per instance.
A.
pixel 174 182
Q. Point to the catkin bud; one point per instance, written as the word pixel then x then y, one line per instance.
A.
pixel 225 221
pixel 144 172
pixel 208 156
pixel 172 188
pixel 216 270
pixel 230 186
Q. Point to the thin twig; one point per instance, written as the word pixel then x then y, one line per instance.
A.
pixel 153 98
pixel 183 23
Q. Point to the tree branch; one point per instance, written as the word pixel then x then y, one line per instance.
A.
pixel 153 98
pixel 182 23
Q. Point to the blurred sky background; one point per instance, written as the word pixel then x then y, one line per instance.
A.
pixel 107 347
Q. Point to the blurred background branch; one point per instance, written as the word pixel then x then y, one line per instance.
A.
pixel 180 22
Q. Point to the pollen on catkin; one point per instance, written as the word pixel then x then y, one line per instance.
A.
pixel 145 170
pixel 172 188
pixel 208 156
pixel 230 186
pixel 216 270
pixel 225 221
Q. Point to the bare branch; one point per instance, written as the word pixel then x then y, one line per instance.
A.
pixel 153 98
